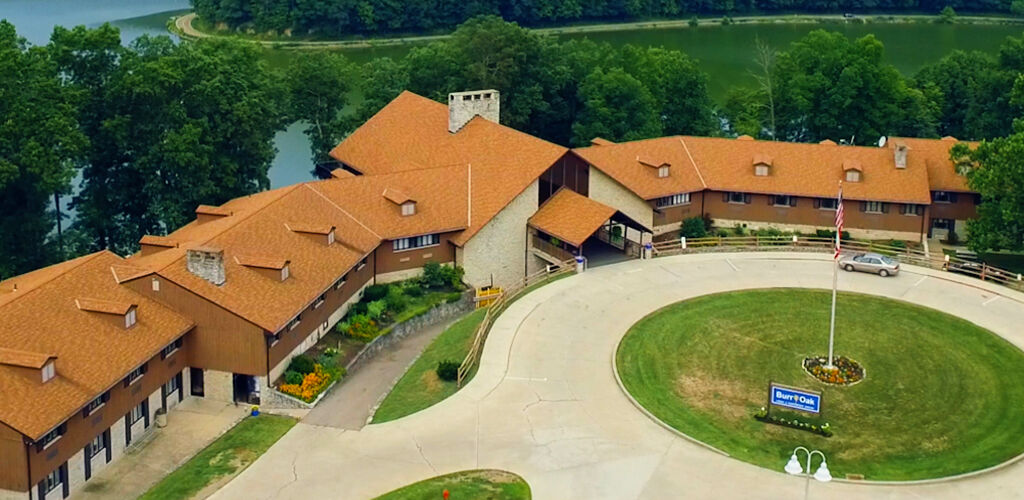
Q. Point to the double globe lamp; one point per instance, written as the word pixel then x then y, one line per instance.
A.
pixel 793 466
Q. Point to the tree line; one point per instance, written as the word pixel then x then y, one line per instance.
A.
pixel 148 131
pixel 347 17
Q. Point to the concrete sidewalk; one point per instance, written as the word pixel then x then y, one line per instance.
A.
pixel 191 426
pixel 350 404
pixel 545 404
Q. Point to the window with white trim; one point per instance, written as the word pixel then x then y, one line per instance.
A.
pixel 52 481
pixel 341 282
pixel 171 348
pixel 782 200
pixel 408 208
pixel 874 207
pixel 284 273
pixel 49 371
pixel 735 197
pixel 295 322
pixel 912 209
pixel 51 437
pixel 330 237
pixel 137 414
pixel 129 318
pixel 828 203
pixel 426 240
pixel 362 264
pixel 135 375
pixel 673 200
pixel 171 385
pixel 663 171
pixel 761 170
pixel 97 403
pixel 941 197
pixel 853 176
pixel 320 301
pixel 95 446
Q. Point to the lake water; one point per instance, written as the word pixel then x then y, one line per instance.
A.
pixel 724 52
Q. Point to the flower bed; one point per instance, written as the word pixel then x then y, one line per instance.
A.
pixel 845 372
pixel 824 429
pixel 313 383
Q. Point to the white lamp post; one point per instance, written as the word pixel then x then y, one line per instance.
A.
pixel 793 467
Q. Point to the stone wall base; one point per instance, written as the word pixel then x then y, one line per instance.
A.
pixel 871 234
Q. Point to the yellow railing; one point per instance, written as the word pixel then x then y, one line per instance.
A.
pixel 498 305
pixel 914 256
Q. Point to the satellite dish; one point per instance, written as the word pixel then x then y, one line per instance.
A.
pixel 881 142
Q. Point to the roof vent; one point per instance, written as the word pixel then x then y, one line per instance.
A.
pixel 464 106
pixel 206 263
pixel 206 213
pixel 900 154
pixel 152 244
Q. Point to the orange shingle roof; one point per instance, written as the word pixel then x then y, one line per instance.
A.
pixel 942 175
pixel 159 241
pixel 262 262
pixel 625 162
pixel 411 133
pixel 571 217
pixel 23 359
pixel 104 306
pixel 305 227
pixel 92 354
pixel 812 170
pixel 259 227
pixel 395 196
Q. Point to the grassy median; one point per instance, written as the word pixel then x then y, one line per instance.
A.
pixel 420 387
pixel 473 484
pixel 226 456
pixel 941 396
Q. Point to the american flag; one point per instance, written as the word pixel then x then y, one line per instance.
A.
pixel 839 220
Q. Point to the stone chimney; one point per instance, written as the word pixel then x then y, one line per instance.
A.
pixel 207 263
pixel 463 106
pixel 900 154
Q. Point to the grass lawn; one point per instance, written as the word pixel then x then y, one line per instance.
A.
pixel 229 454
pixel 941 396
pixel 468 485
pixel 420 387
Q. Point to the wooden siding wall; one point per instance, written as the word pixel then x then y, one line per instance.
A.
pixel 13 467
pixel 312 318
pixel 570 171
pixel 963 209
pixel 222 341
pixel 388 260
pixel 671 215
pixel 760 210
pixel 82 429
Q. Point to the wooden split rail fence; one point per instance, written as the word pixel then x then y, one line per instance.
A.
pixel 907 255
pixel 500 303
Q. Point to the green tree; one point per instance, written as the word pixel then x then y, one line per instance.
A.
pixel 947 15
pixel 952 85
pixel 829 87
pixel 617 107
pixel 1017 7
pixel 318 86
pixel 995 171
pixel 39 145
pixel 677 85
pixel 178 126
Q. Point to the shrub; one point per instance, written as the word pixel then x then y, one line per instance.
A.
pixel 375 292
pixel 948 15
pixel 898 243
pixel 301 364
pixel 709 222
pixel 722 233
pixel 826 233
pixel 437 276
pixel 415 290
pixel 694 21
pixel 769 231
pixel 396 300
pixel 292 377
pixel 453 297
pixel 375 310
pixel 726 20
pixel 694 228
pixel 361 327
pixel 448 370
pixel 357 308
pixel 739 230
pixel 952 238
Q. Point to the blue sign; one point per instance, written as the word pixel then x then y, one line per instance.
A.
pixel 795 399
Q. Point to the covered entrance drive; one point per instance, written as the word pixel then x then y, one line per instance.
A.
pixel 569 224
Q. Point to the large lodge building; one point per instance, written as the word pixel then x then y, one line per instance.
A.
pixel 91 348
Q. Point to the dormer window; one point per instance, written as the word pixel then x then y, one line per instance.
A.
pixel 284 272
pixel 660 166
pixel 49 371
pixel 852 171
pixel 408 208
pixel 663 171
pixel 762 165
pixel 761 170
pixel 330 237
pixel 129 318
pixel 853 176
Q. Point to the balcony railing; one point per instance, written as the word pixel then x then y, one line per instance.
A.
pixel 556 251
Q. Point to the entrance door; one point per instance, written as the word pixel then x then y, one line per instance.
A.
pixel 195 375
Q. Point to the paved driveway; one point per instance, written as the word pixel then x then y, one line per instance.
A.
pixel 545 404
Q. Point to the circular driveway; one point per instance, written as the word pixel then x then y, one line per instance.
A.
pixel 545 403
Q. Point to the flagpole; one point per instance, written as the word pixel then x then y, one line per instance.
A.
pixel 835 276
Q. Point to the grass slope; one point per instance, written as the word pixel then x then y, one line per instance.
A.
pixel 474 484
pixel 229 454
pixel 420 387
pixel 942 396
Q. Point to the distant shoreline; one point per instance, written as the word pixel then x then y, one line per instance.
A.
pixel 183 27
